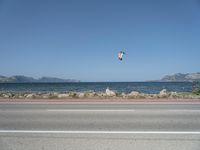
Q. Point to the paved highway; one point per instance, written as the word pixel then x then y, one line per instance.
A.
pixel 100 126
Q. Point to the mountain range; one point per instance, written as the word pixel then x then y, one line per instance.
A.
pixel 180 77
pixel 25 79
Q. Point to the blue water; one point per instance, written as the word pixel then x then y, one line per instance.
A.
pixel 145 87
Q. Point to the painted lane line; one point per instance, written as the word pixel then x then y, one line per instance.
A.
pixel 142 110
pixel 100 132
pixel 184 110
pixel 119 110
pixel 107 110
pixel 90 110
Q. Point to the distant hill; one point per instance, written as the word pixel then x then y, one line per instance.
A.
pixel 182 77
pixel 53 79
pixel 24 79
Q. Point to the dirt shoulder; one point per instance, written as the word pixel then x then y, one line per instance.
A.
pixel 97 100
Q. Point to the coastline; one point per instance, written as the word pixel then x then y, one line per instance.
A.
pixel 98 96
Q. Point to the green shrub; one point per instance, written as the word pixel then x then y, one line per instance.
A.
pixel 197 90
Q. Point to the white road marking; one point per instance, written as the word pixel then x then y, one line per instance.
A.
pixel 100 132
pixel 120 110
pixel 184 110
pixel 91 110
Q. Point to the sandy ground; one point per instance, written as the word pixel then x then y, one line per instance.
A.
pixel 99 100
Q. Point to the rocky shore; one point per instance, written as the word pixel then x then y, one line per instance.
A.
pixel 108 94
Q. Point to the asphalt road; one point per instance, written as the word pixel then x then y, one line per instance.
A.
pixel 100 126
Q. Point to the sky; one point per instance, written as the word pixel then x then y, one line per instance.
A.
pixel 80 39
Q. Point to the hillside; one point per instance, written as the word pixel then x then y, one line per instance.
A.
pixel 182 77
pixel 24 79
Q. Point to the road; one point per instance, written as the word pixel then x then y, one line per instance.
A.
pixel 100 126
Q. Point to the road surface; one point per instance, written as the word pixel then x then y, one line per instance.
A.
pixel 92 126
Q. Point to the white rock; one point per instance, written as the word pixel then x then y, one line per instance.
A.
pixel 173 93
pixel 63 95
pixel 163 93
pixel 55 93
pixel 134 94
pixel 20 96
pixel 148 96
pixel 110 93
pixel 9 94
pixel 155 96
pixel 81 95
pixel 123 95
pixel 5 96
pixel 45 96
pixel 29 95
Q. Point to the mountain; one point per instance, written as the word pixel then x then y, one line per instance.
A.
pixel 24 79
pixel 3 79
pixel 53 79
pixel 182 77
pixel 21 79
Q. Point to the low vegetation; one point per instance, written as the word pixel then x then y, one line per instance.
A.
pixel 197 90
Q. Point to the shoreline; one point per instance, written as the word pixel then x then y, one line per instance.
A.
pixel 92 96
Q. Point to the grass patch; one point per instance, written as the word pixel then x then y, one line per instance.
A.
pixel 196 91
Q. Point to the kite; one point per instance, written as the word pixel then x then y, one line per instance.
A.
pixel 120 55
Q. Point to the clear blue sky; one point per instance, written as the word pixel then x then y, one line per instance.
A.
pixel 80 39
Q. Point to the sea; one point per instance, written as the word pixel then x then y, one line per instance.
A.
pixel 126 87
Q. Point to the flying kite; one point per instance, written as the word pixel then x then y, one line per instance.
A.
pixel 120 55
